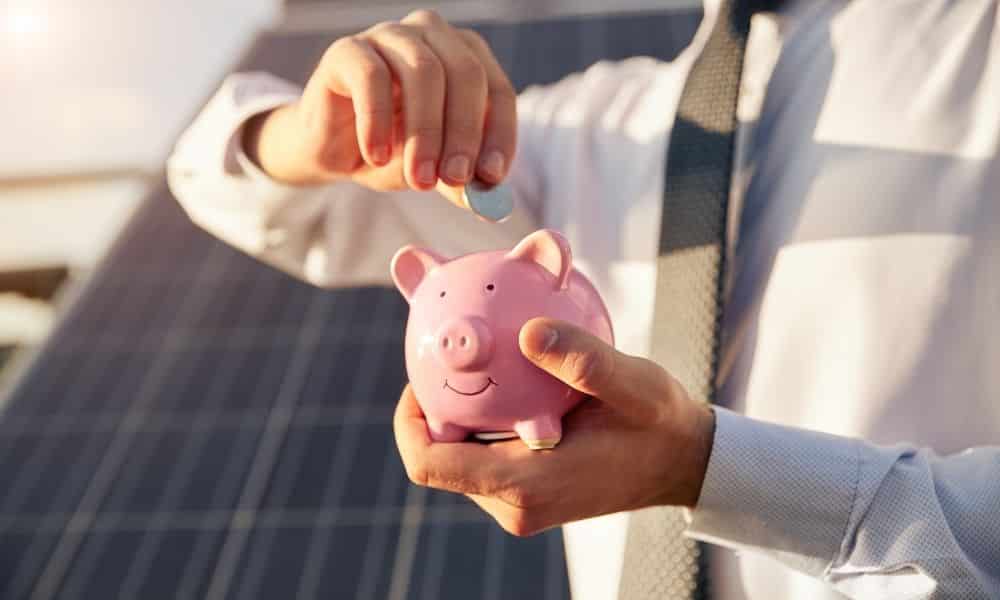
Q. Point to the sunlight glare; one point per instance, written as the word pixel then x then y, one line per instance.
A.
pixel 22 24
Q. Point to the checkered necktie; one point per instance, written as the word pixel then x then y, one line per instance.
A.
pixel 660 563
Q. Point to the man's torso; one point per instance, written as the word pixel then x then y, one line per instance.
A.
pixel 865 247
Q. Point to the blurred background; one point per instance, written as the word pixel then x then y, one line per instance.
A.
pixel 94 95
pixel 177 420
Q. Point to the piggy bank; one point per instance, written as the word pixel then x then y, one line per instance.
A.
pixel 462 352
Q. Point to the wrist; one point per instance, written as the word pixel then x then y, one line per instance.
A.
pixel 687 457
pixel 251 137
pixel 261 143
pixel 272 140
pixel 700 451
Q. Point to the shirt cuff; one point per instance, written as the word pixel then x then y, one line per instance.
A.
pixel 786 491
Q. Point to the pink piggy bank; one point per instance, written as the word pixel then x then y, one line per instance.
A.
pixel 462 352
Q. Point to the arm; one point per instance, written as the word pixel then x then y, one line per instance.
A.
pixel 321 202
pixel 335 234
pixel 874 522
pixel 333 230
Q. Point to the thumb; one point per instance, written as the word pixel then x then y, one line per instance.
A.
pixel 586 363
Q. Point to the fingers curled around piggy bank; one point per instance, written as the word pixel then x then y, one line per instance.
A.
pixel 638 440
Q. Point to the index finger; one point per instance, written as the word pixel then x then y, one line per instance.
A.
pixel 466 468
pixel 500 128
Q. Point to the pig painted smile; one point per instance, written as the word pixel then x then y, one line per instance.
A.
pixel 486 386
pixel 462 337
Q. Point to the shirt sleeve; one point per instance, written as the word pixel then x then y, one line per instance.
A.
pixel 345 234
pixel 273 222
pixel 874 522
pixel 331 235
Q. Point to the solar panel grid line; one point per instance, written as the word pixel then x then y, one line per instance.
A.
pixel 434 569
pixel 240 519
pixel 373 555
pixel 493 572
pixel 223 489
pixel 130 477
pixel 346 516
pixel 376 549
pixel 336 483
pixel 92 447
pixel 200 562
pixel 83 381
pixel 278 417
pixel 352 413
pixel 20 582
pixel 406 547
pixel 30 425
pixel 87 559
pixel 223 339
pixel 141 275
pixel 219 519
pixel 555 568
pixel 344 442
pixel 151 540
pixel 33 558
pixel 30 471
pixel 244 520
pixel 281 487
pixel 444 546
pixel 52 576
pixel 314 560
pixel 149 422
pixel 267 454
pixel 28 475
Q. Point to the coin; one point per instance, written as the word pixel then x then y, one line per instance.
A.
pixel 493 203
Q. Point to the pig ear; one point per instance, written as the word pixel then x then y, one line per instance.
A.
pixel 409 267
pixel 549 249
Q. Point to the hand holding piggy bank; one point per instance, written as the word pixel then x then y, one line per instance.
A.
pixel 462 353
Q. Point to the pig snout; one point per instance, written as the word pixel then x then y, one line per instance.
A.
pixel 464 343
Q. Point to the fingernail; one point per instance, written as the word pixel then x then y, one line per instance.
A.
pixel 380 154
pixel 426 173
pixel 551 337
pixel 537 339
pixel 457 168
pixel 492 164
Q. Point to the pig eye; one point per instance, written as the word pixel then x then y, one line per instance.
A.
pixel 490 287
pixel 442 294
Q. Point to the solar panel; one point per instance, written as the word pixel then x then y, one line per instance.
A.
pixel 202 426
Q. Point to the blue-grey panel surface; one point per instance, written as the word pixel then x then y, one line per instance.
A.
pixel 203 426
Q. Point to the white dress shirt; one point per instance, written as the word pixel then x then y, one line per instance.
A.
pixel 862 298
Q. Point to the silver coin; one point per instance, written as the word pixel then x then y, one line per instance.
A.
pixel 493 203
